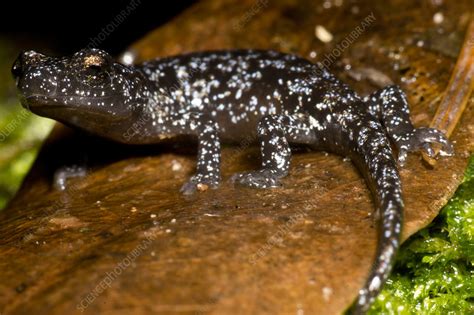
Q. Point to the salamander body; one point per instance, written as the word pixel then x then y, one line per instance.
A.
pixel 278 99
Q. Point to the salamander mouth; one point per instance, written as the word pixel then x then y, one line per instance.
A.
pixel 51 107
pixel 36 100
pixel 33 101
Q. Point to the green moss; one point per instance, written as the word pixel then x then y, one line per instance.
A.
pixel 434 271
pixel 21 133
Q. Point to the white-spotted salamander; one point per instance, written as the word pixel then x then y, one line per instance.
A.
pixel 280 99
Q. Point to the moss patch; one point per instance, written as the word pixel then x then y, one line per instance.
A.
pixel 434 271
pixel 21 133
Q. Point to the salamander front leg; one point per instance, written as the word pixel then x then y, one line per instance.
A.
pixel 209 156
pixel 274 133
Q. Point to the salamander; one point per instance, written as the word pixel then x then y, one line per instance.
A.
pixel 226 96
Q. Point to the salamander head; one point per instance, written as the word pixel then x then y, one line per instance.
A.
pixel 85 90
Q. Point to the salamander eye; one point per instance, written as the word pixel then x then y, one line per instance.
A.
pixel 95 70
pixel 95 61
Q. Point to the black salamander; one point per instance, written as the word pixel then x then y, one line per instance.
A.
pixel 280 99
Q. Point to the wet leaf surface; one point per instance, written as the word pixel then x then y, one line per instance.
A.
pixel 123 240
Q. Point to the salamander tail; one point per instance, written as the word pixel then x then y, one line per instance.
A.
pixel 376 162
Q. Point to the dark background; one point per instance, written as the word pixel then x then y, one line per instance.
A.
pixel 67 26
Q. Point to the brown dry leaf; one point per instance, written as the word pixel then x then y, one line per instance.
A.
pixel 307 246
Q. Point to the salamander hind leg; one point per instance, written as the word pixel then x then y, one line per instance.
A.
pixel 390 106
pixel 275 132
pixel 420 139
